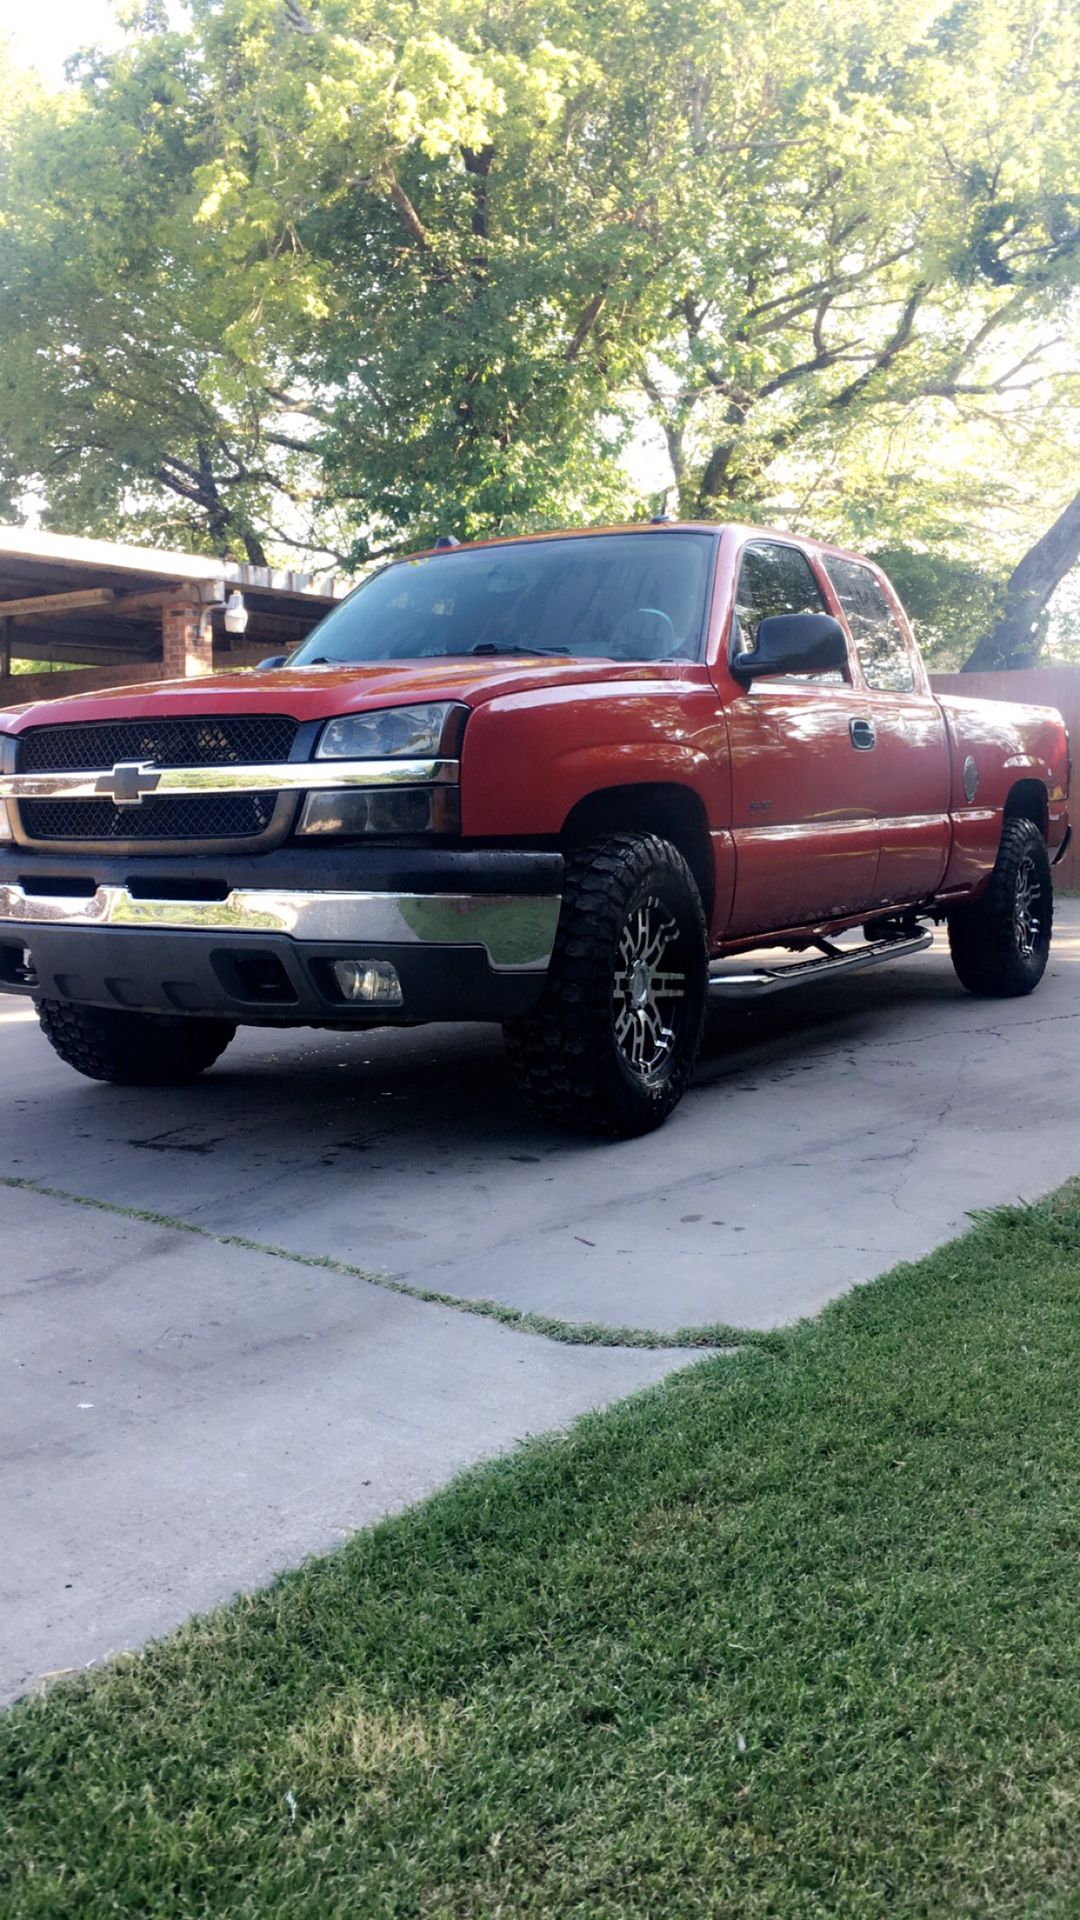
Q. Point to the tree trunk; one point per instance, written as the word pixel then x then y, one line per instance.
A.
pixel 1016 638
pixel 715 484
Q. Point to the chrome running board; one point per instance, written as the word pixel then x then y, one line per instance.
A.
pixel 753 986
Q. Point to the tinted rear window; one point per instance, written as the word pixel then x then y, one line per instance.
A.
pixel 883 650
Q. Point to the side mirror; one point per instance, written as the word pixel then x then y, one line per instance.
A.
pixel 794 643
pixel 272 660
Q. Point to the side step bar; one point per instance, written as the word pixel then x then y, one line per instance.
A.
pixel 833 960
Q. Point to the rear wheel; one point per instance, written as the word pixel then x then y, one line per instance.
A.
pixel 1000 944
pixel 132 1049
pixel 613 1043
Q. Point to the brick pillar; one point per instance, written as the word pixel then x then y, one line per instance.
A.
pixel 187 642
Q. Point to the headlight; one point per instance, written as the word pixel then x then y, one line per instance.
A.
pixel 422 733
pixel 391 733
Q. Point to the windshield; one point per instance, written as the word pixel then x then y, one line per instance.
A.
pixel 611 596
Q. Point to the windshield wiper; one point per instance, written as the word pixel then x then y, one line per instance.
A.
pixel 492 646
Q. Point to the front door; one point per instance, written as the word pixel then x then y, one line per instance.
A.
pixel 804 814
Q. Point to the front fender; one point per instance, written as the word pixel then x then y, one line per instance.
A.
pixel 530 758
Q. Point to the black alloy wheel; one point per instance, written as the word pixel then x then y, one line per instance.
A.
pixel 1000 943
pixel 613 1042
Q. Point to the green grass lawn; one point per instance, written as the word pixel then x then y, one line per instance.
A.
pixel 796 1634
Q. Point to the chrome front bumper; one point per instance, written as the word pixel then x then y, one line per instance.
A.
pixel 516 931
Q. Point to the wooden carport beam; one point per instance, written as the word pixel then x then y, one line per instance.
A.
pixel 196 593
pixel 57 602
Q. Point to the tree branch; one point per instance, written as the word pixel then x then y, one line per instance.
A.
pixel 410 218
pixel 586 324
pixel 883 360
pixel 671 432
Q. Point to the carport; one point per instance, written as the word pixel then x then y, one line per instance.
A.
pixel 98 614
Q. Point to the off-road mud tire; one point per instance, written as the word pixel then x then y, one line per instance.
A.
pixel 566 1056
pixel 132 1049
pixel 992 948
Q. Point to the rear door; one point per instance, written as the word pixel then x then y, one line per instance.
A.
pixel 911 752
pixel 803 782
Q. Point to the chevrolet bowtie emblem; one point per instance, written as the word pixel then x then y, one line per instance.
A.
pixel 128 782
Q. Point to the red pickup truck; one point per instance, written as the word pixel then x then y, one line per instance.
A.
pixel 561 782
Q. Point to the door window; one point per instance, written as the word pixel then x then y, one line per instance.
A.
pixel 776 579
pixel 881 646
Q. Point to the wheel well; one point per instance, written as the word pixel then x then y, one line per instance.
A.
pixel 672 811
pixel 1027 800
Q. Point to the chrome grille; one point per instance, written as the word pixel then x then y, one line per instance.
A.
pixel 219 741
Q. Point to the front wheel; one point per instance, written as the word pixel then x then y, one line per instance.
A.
pixel 613 1042
pixel 1000 943
pixel 132 1049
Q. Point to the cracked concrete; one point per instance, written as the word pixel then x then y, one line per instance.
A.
pixel 242 1411
pixel 181 1420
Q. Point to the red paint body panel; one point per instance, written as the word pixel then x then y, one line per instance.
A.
pixel 610 734
pixel 1007 744
pixel 804 830
pixel 803 808
pixel 317 693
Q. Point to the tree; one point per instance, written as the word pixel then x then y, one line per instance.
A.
pixel 912 232
pixel 123 403
pixel 345 275
pixel 1015 639
pixel 223 301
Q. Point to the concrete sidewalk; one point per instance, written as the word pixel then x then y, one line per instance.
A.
pixel 181 1420
pixel 245 1410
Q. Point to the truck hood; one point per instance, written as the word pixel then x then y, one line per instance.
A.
pixel 315 693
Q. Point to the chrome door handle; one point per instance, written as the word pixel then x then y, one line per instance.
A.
pixel 862 734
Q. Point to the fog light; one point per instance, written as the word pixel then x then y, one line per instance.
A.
pixel 5 823
pixel 375 982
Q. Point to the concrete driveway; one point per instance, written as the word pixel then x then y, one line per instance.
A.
pixel 182 1417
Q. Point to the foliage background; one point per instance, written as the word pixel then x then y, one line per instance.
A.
pixel 282 280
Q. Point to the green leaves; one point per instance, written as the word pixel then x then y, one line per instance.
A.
pixel 372 272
